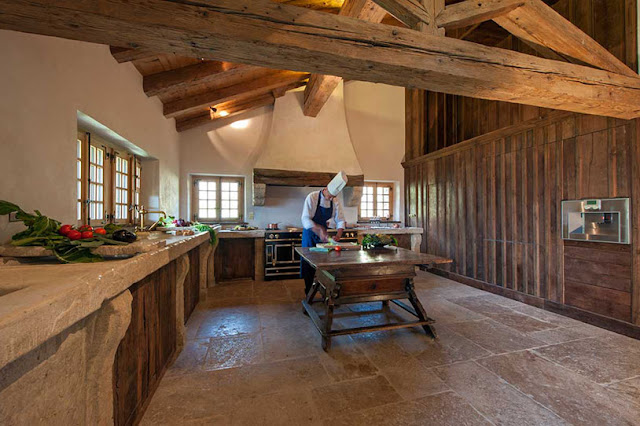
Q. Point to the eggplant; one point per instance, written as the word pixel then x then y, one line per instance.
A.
pixel 124 236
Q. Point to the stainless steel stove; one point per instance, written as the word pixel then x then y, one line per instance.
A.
pixel 281 260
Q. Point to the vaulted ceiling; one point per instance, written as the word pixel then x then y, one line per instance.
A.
pixel 210 59
pixel 196 91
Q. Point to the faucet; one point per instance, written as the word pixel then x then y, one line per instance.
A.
pixel 144 212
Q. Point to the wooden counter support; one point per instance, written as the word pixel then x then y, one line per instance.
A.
pixel 182 270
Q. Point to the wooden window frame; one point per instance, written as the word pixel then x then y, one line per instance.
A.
pixel 219 179
pixel 109 179
pixel 375 186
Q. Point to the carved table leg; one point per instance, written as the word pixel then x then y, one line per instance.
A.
pixel 422 314
pixel 328 322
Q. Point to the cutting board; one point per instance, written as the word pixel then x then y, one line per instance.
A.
pixel 343 246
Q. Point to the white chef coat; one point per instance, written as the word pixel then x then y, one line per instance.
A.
pixel 309 210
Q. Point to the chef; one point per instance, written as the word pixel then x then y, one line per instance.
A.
pixel 319 208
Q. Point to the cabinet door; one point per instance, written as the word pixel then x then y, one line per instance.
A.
pixel 235 259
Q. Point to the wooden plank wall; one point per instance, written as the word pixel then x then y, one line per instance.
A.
pixel 192 284
pixel 486 179
pixel 450 119
pixel 148 345
pixel 493 203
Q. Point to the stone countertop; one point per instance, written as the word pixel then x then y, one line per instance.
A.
pixel 390 231
pixel 257 233
pixel 39 301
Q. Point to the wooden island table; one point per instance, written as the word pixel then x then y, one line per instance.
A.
pixel 361 276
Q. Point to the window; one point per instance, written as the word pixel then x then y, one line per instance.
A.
pixel 218 199
pixel 377 201
pixel 107 182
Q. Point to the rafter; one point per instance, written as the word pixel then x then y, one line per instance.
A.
pixel 185 77
pixel 123 54
pixel 538 24
pixel 230 109
pixel 320 86
pixel 269 80
pixel 409 12
pixel 267 34
pixel 473 12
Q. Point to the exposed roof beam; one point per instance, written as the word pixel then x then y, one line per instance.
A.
pixel 268 34
pixel 538 24
pixel 270 80
pixel 123 54
pixel 471 12
pixel 410 12
pixel 320 86
pixel 183 78
pixel 230 109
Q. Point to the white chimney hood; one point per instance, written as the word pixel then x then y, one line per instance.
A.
pixel 300 144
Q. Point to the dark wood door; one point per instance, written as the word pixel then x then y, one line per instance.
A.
pixel 235 259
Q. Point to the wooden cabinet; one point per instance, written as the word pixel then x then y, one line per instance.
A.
pixel 235 259
pixel 148 345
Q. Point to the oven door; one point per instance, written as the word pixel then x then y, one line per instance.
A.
pixel 283 254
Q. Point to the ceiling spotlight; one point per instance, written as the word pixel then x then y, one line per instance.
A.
pixel 224 113
pixel 213 109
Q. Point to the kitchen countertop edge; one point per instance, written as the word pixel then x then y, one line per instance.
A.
pixel 52 298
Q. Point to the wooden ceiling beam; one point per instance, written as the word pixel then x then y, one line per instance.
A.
pixel 268 34
pixel 123 54
pixel 230 109
pixel 271 79
pixel 321 86
pixel 538 24
pixel 409 12
pixel 472 12
pixel 185 77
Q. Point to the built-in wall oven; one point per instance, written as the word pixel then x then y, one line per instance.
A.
pixel 281 260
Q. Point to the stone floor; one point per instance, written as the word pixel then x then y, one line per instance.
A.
pixel 252 358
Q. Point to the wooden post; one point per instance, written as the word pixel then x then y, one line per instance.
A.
pixel 433 7
pixel 635 224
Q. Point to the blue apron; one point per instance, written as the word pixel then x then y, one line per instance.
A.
pixel 323 214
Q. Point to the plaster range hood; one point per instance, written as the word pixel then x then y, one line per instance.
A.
pixel 307 151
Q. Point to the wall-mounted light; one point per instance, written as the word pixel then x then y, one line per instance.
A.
pixel 223 113
pixel 213 109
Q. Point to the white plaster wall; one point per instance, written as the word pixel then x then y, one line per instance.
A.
pixel 375 125
pixel 43 82
pixel 375 118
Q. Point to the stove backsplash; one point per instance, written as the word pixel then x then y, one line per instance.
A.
pixel 284 206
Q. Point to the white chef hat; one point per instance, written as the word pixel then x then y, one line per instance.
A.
pixel 338 183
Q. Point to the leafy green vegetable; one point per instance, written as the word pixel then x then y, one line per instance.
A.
pixel 378 240
pixel 213 237
pixel 43 231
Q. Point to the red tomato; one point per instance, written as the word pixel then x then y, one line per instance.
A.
pixel 84 228
pixel 74 235
pixel 87 234
pixel 65 229
pixel 100 231
pixel 338 248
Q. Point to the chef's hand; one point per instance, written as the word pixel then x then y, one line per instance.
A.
pixel 336 238
pixel 321 232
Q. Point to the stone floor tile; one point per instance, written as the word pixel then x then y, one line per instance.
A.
pixel 289 408
pixel 191 359
pixel 602 359
pixel 382 349
pixel 413 380
pixel 269 292
pixel 449 348
pixel 242 289
pixel 235 351
pixel 498 401
pixel 630 388
pixel 345 361
pixel 287 342
pixel 445 311
pixel 494 337
pixel 573 397
pixel 230 321
pixel 348 397
pixel 560 335
pixel 547 316
pixel 444 409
